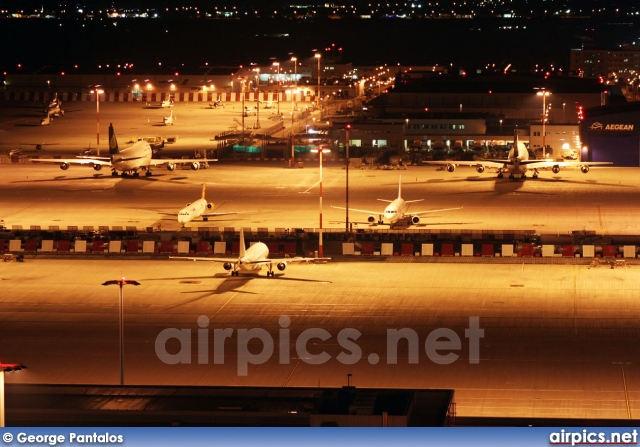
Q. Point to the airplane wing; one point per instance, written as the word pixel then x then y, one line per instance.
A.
pixel 91 161
pixel 191 258
pixel 418 213
pixel 164 161
pixel 360 211
pixel 486 164
pixel 550 164
pixel 296 260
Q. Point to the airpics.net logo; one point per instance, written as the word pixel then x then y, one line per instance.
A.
pixel 441 346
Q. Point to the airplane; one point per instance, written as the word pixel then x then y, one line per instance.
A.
pixel 248 111
pixel 396 212
pixel 166 103
pixel 168 119
pixel 217 103
pixel 518 163
pixel 54 109
pixel 252 259
pixel 128 161
pixel 197 209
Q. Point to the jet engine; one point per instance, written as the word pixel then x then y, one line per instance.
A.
pixel 97 167
pixel 195 165
pixel 555 169
pixel 227 266
pixel 209 205
pixel 171 166
pixel 371 219
pixel 480 169
pixel 584 169
pixel 415 219
pixel 451 168
pixel 64 166
pixel 281 266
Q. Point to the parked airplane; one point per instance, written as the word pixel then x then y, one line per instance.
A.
pixel 54 109
pixel 166 103
pixel 518 163
pixel 198 208
pixel 396 212
pixel 129 160
pixel 252 259
pixel 168 119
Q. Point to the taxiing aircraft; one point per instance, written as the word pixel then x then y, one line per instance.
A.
pixel 518 163
pixel 396 212
pixel 168 119
pixel 128 161
pixel 252 259
pixel 198 208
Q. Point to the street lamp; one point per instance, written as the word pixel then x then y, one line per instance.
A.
pixel 544 93
pixel 295 70
pixel 258 102
pixel 277 64
pixel 6 367
pixel 347 129
pixel 121 282
pixel 97 92
pixel 320 151
pixel 293 147
pixel 318 56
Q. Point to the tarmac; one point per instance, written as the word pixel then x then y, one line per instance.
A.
pixel 558 340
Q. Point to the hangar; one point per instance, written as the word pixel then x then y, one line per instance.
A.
pixel 612 133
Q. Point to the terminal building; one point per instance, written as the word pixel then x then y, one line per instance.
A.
pixel 612 133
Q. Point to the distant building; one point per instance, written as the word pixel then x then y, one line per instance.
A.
pixel 592 62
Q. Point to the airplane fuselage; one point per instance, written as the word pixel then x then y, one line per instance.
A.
pixel 132 158
pixel 192 211
pixel 394 212
pixel 256 252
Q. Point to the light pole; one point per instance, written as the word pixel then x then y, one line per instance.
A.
pixel 244 111
pixel 293 147
pixel 320 151
pixel 97 92
pixel 544 93
pixel 121 282
pixel 295 71
pixel 6 367
pixel 277 64
pixel 318 56
pixel 258 102
pixel 347 129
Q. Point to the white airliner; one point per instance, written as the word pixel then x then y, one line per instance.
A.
pixel 128 161
pixel 198 208
pixel 166 103
pixel 168 119
pixel 252 259
pixel 396 212
pixel 518 163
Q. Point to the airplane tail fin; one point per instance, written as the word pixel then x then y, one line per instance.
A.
pixel 204 185
pixel 400 188
pixel 113 142
pixel 241 243
pixel 520 150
